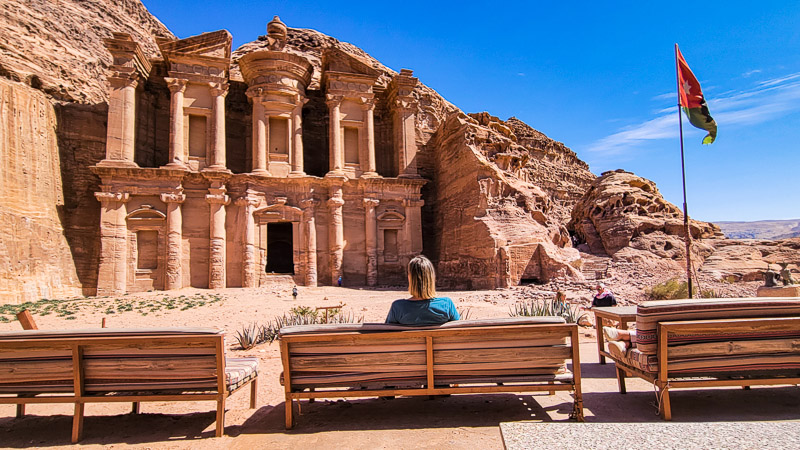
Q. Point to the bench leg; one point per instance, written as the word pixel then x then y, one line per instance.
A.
pixel 77 423
pixel 136 407
pixel 311 400
pixel 621 380
pixel 288 405
pixel 552 392
pixel 20 410
pixel 746 388
pixel 664 406
pixel 220 416
pixel 253 392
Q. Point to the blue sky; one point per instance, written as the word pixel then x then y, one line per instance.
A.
pixel 598 77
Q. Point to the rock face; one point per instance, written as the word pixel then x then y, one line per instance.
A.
pixel 52 129
pixel 514 230
pixel 621 211
pixel 747 260
pixel 57 46
pixel 34 254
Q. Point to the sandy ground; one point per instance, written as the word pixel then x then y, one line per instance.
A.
pixel 459 421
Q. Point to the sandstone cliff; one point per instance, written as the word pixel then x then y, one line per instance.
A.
pixel 52 128
pixel 56 46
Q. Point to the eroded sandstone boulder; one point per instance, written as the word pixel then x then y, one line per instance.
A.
pixel 621 211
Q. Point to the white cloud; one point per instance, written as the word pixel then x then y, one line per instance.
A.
pixel 766 101
pixel 750 73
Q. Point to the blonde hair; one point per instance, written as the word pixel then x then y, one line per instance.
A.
pixel 421 278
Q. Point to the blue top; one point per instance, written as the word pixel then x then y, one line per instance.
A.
pixel 423 312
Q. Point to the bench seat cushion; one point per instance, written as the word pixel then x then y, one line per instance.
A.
pixel 239 371
pixel 649 314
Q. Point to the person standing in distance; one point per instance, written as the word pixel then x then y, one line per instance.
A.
pixel 423 308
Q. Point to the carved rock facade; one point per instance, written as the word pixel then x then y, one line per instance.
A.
pixel 212 207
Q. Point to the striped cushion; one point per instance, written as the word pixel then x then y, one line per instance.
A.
pixel 649 314
pixel 238 371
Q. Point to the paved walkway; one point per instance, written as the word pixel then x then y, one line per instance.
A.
pixel 697 435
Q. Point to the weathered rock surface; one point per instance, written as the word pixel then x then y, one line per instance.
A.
pixel 621 212
pixel 747 260
pixel 52 128
pixel 492 225
pixel 56 46
pixel 34 254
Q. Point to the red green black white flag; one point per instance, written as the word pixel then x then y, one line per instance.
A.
pixel 690 97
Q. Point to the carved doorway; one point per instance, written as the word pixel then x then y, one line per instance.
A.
pixel 280 255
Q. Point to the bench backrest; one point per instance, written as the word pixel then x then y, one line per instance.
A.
pixel 111 360
pixel 372 355
pixel 650 314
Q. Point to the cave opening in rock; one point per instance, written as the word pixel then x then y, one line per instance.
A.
pixel 279 248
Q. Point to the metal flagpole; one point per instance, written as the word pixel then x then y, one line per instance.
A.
pixel 688 236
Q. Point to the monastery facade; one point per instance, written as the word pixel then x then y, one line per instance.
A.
pixel 212 182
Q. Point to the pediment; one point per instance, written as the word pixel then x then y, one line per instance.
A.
pixel 215 44
pixel 335 60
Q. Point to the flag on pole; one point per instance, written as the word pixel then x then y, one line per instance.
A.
pixel 691 98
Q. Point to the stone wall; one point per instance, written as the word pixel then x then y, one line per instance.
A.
pixel 34 253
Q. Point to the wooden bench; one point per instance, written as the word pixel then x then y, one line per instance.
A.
pixel 712 343
pixel 120 365
pixel 462 357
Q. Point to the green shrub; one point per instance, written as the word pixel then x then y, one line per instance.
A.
pixel 674 289
pixel 535 308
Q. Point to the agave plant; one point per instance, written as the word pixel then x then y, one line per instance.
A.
pixel 546 308
pixel 248 337
pixel 465 313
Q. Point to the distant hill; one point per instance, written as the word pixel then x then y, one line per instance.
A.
pixel 762 229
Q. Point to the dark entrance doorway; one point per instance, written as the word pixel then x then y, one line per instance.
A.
pixel 279 248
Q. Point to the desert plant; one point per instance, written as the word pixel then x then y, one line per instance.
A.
pixel 674 289
pixel 248 336
pixel 299 315
pixel 465 313
pixel 536 308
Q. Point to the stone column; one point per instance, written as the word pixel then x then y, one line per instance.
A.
pixel 368 166
pixel 218 93
pixel 413 225
pixel 259 137
pixel 217 237
pixel 371 241
pixel 174 275
pixel 297 139
pixel 310 230
pixel 405 138
pixel 177 156
pixel 249 278
pixel 121 132
pixel 113 270
pixel 335 134
pixel 336 238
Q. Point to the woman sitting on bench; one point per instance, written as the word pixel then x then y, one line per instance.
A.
pixel 423 308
